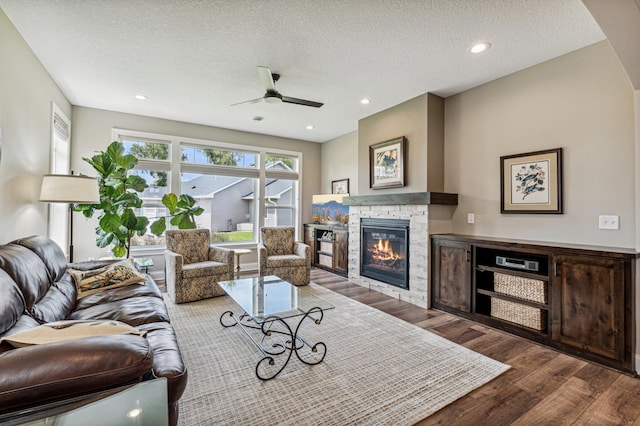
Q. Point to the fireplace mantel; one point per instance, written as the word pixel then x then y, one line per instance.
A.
pixel 414 198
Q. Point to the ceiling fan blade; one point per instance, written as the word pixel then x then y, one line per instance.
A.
pixel 252 101
pixel 304 102
pixel 267 79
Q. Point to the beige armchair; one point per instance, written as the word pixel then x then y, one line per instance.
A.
pixel 194 267
pixel 279 254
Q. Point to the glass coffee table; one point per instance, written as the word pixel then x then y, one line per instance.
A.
pixel 273 311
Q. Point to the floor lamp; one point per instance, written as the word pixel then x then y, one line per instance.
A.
pixel 69 189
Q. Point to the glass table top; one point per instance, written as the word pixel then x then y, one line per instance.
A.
pixel 264 297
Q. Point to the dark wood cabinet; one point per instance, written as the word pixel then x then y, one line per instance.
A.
pixel 452 275
pixel 329 247
pixel 590 307
pixel 577 299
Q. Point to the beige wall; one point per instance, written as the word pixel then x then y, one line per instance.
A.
pixel 26 95
pixel 420 121
pixel 582 102
pixel 92 132
pixel 339 160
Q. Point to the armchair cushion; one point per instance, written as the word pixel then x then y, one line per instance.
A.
pixel 278 241
pixel 192 244
pixel 286 260
pixel 203 269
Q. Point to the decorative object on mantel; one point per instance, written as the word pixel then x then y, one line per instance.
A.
pixel 340 186
pixel 386 163
pixel 413 198
pixel 329 209
pixel 531 182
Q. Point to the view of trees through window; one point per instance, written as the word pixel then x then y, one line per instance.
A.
pixel 223 181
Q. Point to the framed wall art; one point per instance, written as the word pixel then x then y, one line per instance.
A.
pixel 340 186
pixel 386 161
pixel 531 182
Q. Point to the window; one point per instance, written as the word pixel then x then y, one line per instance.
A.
pixel 227 181
pixel 60 164
pixel 154 166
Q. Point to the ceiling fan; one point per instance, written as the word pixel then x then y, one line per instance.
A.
pixel 272 96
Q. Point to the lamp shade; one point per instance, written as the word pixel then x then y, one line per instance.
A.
pixel 69 189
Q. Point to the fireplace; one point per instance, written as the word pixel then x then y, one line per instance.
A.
pixel 384 250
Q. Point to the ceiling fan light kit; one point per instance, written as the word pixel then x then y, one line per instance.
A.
pixel 272 96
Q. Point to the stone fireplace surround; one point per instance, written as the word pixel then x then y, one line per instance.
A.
pixel 415 208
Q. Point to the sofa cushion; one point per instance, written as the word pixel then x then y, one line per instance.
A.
pixel 115 275
pixel 278 241
pixel 53 306
pixel 204 269
pixel 11 302
pixel 133 311
pixel 27 270
pixel 60 331
pixel 49 252
pixel 149 289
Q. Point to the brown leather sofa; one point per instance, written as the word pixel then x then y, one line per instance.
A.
pixel 36 288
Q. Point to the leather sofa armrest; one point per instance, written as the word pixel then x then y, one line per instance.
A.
pixel 44 373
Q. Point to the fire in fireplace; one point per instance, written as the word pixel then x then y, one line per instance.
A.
pixel 384 250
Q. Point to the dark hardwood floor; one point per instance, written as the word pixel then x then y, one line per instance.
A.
pixel 543 386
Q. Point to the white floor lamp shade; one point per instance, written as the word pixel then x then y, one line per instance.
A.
pixel 69 189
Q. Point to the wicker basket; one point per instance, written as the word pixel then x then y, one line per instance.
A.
pixel 524 288
pixel 519 314
pixel 325 260
pixel 326 247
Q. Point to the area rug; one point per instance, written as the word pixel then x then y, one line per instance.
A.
pixel 378 370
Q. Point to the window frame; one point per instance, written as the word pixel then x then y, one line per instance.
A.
pixel 176 168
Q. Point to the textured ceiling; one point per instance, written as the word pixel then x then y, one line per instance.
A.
pixel 193 59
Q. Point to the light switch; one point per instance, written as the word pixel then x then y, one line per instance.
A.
pixel 609 222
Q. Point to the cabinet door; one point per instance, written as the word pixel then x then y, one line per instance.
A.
pixel 588 311
pixel 451 282
pixel 341 250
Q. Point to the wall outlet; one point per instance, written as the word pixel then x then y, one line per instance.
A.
pixel 471 218
pixel 609 222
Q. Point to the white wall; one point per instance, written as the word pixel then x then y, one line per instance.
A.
pixel 582 102
pixel 26 95
pixel 92 132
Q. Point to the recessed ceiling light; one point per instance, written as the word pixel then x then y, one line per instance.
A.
pixel 365 101
pixel 480 47
pixel 140 97
pixel 310 127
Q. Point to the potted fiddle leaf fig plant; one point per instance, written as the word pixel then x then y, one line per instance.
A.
pixel 119 199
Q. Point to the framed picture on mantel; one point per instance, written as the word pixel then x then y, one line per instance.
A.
pixel 531 182
pixel 386 161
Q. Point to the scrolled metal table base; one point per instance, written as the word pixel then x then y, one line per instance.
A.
pixel 270 347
